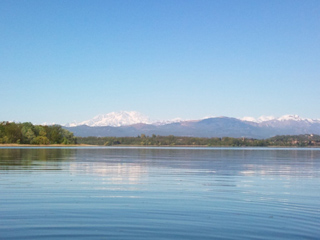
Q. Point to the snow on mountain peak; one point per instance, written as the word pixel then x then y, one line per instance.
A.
pixel 272 118
pixel 116 119
pixel 249 119
pixel 123 118
pixel 266 118
pixel 290 117
pixel 259 120
pixel 281 119
pixel 296 118
pixel 164 122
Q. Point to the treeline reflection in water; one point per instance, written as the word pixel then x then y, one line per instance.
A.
pixel 136 161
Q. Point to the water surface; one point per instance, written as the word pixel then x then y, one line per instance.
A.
pixel 159 193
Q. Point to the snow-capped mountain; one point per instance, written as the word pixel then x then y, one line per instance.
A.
pixel 133 123
pixel 114 119
pixel 295 118
pixel 260 119
pixel 121 118
pixel 283 118
pixel 125 118
pixel 164 122
pixel 265 118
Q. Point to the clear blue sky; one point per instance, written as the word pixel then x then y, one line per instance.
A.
pixel 71 60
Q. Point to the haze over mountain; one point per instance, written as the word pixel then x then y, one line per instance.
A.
pixel 122 124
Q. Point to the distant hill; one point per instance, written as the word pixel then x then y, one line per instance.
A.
pixel 210 127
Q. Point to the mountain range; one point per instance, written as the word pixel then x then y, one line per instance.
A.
pixel 114 119
pixel 132 124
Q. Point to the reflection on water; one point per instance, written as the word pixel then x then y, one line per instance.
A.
pixel 159 193
pixel 123 173
pixel 136 161
pixel 34 158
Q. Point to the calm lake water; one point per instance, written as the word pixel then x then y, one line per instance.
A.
pixel 159 193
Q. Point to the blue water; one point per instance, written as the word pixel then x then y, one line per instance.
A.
pixel 159 193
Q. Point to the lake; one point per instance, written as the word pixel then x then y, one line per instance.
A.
pixel 159 193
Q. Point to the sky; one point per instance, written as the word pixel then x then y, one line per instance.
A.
pixel 62 61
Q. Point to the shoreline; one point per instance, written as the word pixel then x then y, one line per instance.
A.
pixel 43 145
pixel 144 146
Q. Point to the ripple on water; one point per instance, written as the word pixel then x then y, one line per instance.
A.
pixel 159 194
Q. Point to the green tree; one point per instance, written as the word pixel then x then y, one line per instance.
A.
pixel 13 132
pixel 41 140
pixel 27 133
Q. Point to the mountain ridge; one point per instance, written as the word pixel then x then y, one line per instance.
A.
pixel 127 118
pixel 208 127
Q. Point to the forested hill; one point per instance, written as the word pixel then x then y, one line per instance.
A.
pixel 27 133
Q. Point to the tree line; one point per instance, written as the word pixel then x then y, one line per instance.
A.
pixel 306 140
pixel 27 133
